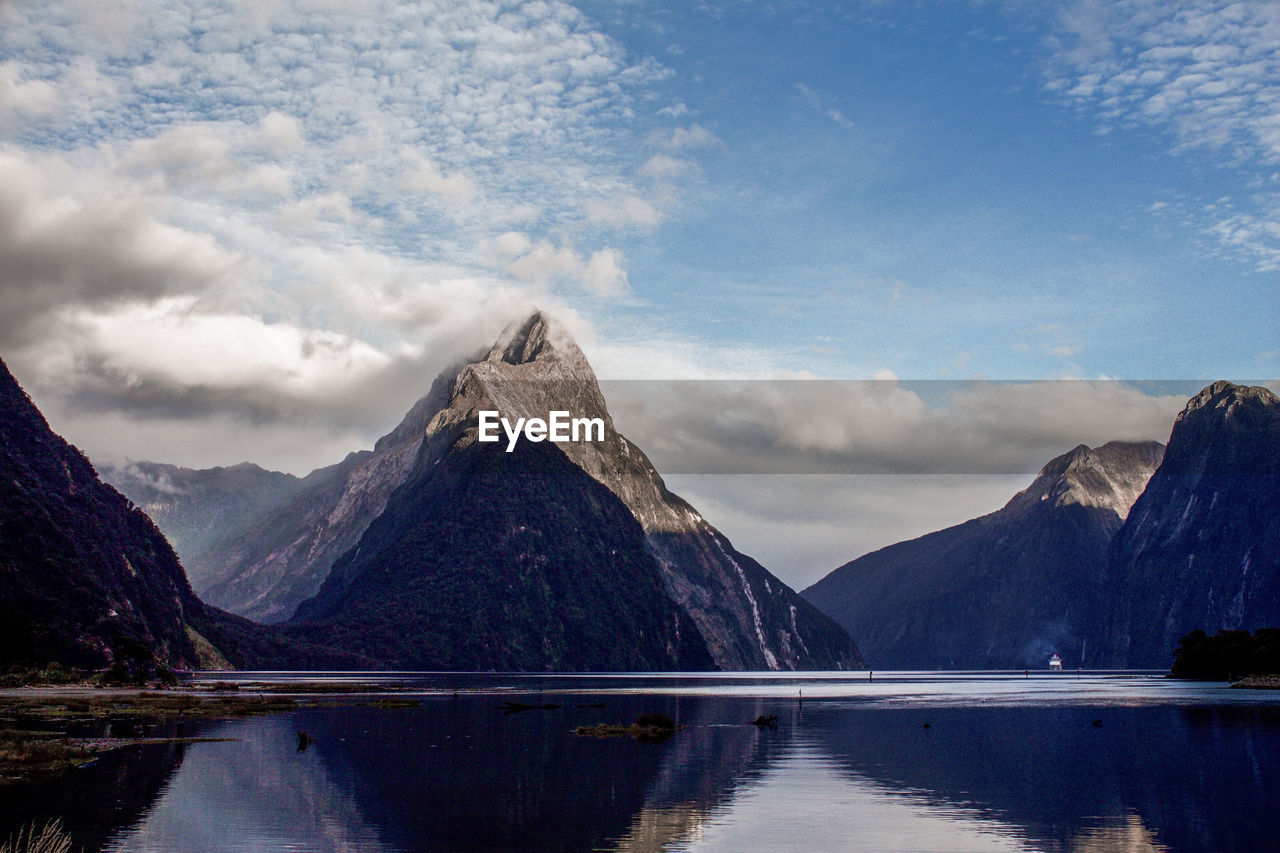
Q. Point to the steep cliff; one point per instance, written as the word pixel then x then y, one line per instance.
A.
pixel 1201 548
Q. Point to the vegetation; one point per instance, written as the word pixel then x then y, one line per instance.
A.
pixel 34 740
pixel 506 561
pixel 646 727
pixel 49 839
pixel 1229 655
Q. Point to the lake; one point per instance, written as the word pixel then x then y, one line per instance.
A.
pixel 904 762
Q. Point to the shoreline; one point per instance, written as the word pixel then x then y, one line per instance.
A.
pixel 36 721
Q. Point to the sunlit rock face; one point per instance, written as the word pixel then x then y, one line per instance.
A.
pixel 1201 547
pixel 739 613
pixel 1006 590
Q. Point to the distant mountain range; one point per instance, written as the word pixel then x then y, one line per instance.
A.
pixel 1108 558
pixel 435 550
pixel 1004 591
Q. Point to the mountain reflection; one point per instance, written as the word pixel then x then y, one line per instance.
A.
pixel 97 800
pixel 458 774
pixel 858 772
pixel 254 793
pixel 1142 778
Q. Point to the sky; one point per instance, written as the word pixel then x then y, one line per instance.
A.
pixel 256 230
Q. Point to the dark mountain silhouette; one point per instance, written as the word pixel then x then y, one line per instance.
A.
pixel 85 577
pixel 1200 549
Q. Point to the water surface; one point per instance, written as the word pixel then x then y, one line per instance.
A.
pixel 904 761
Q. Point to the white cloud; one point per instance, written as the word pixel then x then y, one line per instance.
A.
pixel 819 105
pixel 24 96
pixel 693 136
pixel 630 210
pixel 1205 74
pixel 879 426
pixel 602 272
pixel 280 133
pixel 663 167
pixel 425 176
pixel 95 245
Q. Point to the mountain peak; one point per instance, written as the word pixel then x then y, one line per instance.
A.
pixel 1226 429
pixel 1246 405
pixel 1205 528
pixel 1110 476
pixel 538 337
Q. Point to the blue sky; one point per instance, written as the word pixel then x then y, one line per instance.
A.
pixel 256 230
pixel 910 188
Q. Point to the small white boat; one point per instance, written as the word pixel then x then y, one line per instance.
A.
pixel 1055 663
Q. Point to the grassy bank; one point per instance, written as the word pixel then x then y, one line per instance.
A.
pixel 34 723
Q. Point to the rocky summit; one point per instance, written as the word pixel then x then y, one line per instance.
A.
pixel 1004 591
pixel 721 601
pixel 1200 550
pixel 607 541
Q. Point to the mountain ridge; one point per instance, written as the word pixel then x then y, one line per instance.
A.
pixel 748 618
pixel 1037 562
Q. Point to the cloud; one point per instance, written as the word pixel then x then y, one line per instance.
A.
pixel 280 133
pixel 816 102
pixel 602 272
pixel 880 426
pixel 94 249
pixel 425 176
pixel 693 136
pixel 630 210
pixel 24 96
pixel 487 115
pixel 662 167
pixel 1203 74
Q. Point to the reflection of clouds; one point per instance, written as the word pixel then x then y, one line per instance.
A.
pixel 1127 834
pixel 805 800
pixel 256 793
pixel 660 827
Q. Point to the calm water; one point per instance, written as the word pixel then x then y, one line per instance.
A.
pixel 1005 763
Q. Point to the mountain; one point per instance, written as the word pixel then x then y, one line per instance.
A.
pixel 86 579
pixel 257 542
pixel 1200 549
pixel 503 561
pixel 200 510
pixel 580 537
pixel 1005 590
